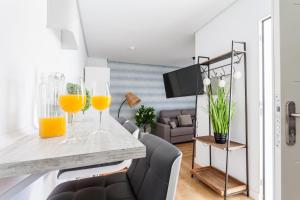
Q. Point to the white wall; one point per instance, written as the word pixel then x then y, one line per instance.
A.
pixel 145 81
pixel 96 71
pixel 96 76
pixel 99 62
pixel 28 47
pixel 241 23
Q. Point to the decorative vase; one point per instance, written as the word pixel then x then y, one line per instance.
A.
pixel 220 138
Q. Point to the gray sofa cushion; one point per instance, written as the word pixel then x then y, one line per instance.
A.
pixel 165 120
pixel 182 131
pixel 149 177
pixel 188 112
pixel 173 124
pixel 169 113
pixel 175 120
pixel 113 187
pixel 185 120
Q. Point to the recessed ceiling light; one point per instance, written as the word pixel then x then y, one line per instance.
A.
pixel 132 48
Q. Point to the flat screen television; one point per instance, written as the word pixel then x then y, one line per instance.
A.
pixel 184 82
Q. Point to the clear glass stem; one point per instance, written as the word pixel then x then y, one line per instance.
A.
pixel 70 139
pixel 100 121
pixel 72 135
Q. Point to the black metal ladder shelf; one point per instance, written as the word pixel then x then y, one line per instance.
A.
pixel 216 179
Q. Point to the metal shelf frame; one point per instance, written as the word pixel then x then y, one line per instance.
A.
pixel 236 56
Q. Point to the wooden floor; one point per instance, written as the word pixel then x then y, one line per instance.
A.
pixel 190 188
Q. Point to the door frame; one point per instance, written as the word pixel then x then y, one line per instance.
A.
pixel 277 92
pixel 262 108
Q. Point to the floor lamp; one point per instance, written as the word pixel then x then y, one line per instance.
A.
pixel 131 100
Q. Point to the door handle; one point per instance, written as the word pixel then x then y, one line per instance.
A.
pixel 295 115
pixel 291 116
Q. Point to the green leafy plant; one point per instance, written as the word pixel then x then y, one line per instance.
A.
pixel 219 110
pixel 145 116
pixel 74 89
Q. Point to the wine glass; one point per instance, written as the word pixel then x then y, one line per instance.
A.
pixel 101 100
pixel 72 100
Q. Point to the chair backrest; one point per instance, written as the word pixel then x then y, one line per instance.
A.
pixel 132 128
pixel 150 177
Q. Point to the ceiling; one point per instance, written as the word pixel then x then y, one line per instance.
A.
pixel 161 32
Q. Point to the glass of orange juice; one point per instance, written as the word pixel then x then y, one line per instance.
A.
pixel 72 100
pixel 101 100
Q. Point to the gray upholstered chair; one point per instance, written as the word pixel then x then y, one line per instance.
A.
pixel 121 120
pixel 92 170
pixel 151 178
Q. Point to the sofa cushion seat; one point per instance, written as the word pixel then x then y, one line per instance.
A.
pixel 182 131
pixel 113 187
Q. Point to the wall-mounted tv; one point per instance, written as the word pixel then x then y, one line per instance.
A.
pixel 184 82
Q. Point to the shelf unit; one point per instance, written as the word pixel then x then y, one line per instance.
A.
pixel 219 181
pixel 205 174
pixel 210 140
pixel 222 57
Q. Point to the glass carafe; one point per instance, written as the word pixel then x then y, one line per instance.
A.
pixel 52 121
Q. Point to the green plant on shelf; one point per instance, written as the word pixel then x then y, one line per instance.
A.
pixel 219 110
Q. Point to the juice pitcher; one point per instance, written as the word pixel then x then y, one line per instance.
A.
pixel 52 121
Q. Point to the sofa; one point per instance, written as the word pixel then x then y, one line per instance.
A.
pixel 176 134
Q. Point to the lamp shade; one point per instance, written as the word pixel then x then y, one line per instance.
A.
pixel 132 99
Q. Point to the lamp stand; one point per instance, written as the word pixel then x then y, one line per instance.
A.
pixel 121 107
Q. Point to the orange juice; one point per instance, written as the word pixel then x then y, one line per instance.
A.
pixel 101 102
pixel 72 103
pixel 52 127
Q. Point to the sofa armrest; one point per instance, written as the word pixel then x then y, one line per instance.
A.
pixel 163 131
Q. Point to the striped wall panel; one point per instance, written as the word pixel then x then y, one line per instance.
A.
pixel 145 81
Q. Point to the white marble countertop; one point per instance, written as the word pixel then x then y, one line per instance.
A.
pixel 32 155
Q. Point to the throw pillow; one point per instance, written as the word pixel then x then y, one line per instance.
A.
pixel 175 120
pixel 165 120
pixel 173 125
pixel 185 120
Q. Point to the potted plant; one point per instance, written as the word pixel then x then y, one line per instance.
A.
pixel 219 112
pixel 145 117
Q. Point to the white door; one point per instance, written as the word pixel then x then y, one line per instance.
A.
pixel 287 88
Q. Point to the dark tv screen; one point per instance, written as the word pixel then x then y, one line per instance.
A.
pixel 184 82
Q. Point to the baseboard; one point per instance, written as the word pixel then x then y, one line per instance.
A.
pixel 255 195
